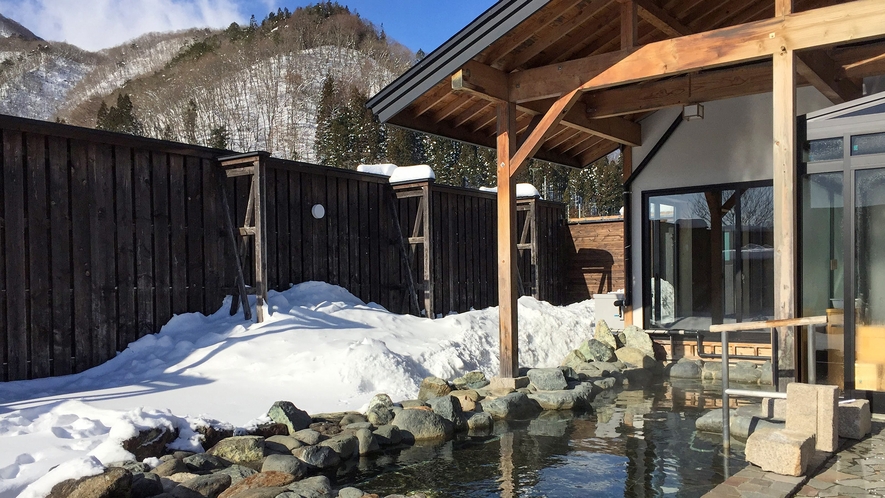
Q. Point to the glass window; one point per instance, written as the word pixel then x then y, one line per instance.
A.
pixel 873 143
pixel 711 257
pixel 827 149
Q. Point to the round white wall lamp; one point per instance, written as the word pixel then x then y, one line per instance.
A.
pixel 318 211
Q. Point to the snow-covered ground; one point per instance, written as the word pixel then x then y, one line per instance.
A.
pixel 321 348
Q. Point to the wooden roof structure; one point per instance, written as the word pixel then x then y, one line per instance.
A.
pixel 568 81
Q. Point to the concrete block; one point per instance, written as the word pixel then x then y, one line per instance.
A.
pixel 827 436
pixel 812 409
pixel 855 419
pixel 783 452
pixel 774 408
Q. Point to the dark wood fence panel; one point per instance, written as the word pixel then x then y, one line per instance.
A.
pixel 594 253
pixel 103 237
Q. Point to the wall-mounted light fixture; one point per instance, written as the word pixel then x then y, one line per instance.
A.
pixel 692 111
pixel 318 211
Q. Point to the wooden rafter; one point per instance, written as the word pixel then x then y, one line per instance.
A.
pixel 514 42
pixel 853 21
pixel 629 24
pixel 661 19
pixel 824 74
pixel 536 138
pixel 484 82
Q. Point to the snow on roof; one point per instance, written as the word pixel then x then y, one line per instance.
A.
pixel 386 169
pixel 522 190
pixel 417 173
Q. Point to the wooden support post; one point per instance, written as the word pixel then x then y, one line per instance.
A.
pixel 532 217
pixel 784 103
pixel 259 195
pixel 428 253
pixel 628 24
pixel 507 295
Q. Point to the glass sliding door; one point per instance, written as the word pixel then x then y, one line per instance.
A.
pixel 710 257
pixel 869 278
pixel 822 269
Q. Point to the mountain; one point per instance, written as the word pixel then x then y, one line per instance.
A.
pixel 256 87
pixel 10 28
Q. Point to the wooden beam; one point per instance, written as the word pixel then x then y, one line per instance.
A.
pixel 442 129
pixel 482 81
pixel 628 24
pixel 536 138
pixel 517 39
pixel 603 148
pixel 822 72
pixel 853 21
pixel 490 84
pixel 861 60
pixel 507 292
pixel 785 226
pixel 661 19
pixel 783 7
pixel 619 130
pixel 626 171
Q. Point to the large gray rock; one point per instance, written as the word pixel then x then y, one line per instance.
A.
pixel 113 483
pixel 185 492
pixel 284 412
pixel 350 492
pixel 423 424
pixel 477 421
pixel 237 473
pixel 201 462
pixel 433 387
pixel 312 487
pixel 131 466
pixel 150 442
pixel 352 418
pixel 282 444
pixel 307 436
pixel 170 467
pixel 367 442
pixel 512 406
pixel 239 449
pixel 449 408
pixel 387 435
pixel 145 485
pixel 320 457
pixel 635 357
pixel 604 335
pixel 685 370
pixel 289 464
pixel 744 372
pixel 561 400
pixel 547 379
pixel 259 485
pixel 379 415
pixel 346 445
pixel 209 486
pixel 639 339
pixel 595 350
pixel 574 359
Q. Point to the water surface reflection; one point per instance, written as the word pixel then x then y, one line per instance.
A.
pixel 633 443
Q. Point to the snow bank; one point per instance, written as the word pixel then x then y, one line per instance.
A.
pixel 417 173
pixel 321 348
pixel 377 169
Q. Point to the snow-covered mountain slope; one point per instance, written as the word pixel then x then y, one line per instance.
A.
pixel 10 28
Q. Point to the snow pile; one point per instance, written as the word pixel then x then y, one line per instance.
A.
pixel 321 348
pixel 523 190
pixel 417 173
pixel 386 169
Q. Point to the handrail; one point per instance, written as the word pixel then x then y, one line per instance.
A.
pixel 725 328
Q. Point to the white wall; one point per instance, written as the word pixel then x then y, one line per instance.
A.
pixel 733 143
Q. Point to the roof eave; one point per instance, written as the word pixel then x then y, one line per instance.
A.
pixel 452 55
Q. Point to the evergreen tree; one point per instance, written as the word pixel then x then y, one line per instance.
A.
pixel 324 143
pixel 120 118
pixel 101 121
pixel 403 147
pixel 167 133
pixel 190 122
pixel 218 137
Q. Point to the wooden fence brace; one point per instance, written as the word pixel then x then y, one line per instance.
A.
pixel 251 164
pixel 413 292
pixel 240 280
pixel 428 241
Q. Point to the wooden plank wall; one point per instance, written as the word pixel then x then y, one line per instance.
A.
pixel 104 236
pixel 594 258
pixel 102 240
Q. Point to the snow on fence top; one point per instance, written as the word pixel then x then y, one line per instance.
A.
pixel 377 169
pixel 522 190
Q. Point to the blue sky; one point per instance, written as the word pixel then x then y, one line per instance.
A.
pixel 97 24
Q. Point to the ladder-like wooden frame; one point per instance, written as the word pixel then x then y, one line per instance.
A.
pixel 253 227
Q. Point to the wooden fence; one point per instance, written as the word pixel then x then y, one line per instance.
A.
pixel 594 256
pixel 104 236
